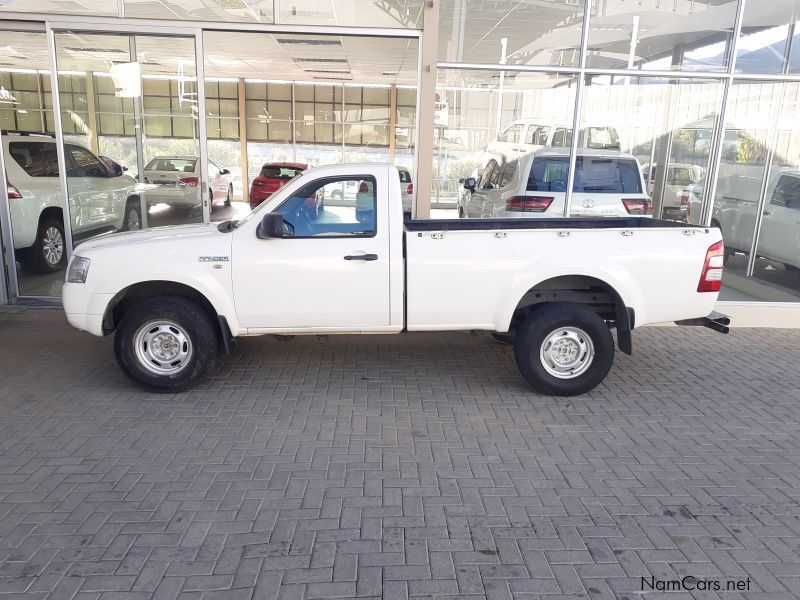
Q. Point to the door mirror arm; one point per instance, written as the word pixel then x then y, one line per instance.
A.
pixel 271 226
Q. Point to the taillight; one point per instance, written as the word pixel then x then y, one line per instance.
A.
pixel 410 188
pixel 189 181
pixel 12 191
pixel 637 206
pixel 685 204
pixel 711 277
pixel 528 203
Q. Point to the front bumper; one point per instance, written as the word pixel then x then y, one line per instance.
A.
pixel 84 310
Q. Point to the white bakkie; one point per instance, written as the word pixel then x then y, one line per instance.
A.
pixel 177 296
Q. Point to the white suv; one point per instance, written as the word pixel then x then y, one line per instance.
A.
pixel 607 184
pixel 529 135
pixel 100 198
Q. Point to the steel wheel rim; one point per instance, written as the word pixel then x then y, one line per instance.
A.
pixel 162 347
pixel 133 220
pixel 567 352
pixel 53 245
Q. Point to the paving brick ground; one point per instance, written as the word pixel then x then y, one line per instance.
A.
pixel 400 466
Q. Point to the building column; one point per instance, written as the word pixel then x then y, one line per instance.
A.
pixel 392 121
pixel 426 103
pixel 243 142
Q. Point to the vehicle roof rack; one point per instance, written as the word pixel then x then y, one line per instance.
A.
pixel 19 132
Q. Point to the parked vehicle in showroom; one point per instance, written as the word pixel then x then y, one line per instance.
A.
pixel 681 178
pixel 735 208
pixel 272 177
pixel 175 180
pixel 528 135
pixel 101 200
pixel 607 183
pixel 559 285
pixel 406 191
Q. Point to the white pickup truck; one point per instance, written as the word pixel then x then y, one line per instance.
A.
pixel 177 296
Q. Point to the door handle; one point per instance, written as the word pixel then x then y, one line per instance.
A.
pixel 767 213
pixel 361 257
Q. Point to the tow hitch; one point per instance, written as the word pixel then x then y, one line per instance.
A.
pixel 715 320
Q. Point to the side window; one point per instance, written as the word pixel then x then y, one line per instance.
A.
pixel 511 134
pixel 38 159
pixel 350 206
pixel 507 173
pixel 562 138
pixel 537 135
pixel 488 175
pixel 85 164
pixel 787 192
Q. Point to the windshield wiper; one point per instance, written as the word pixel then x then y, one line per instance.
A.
pixel 227 226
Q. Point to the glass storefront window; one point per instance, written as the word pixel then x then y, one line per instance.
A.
pixel 545 33
pixel 252 11
pixel 95 8
pixel 653 35
pixel 482 123
pixel 30 156
pixel 665 124
pixel 757 191
pixel 770 40
pixel 406 14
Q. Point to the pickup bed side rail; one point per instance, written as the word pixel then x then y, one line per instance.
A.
pixel 558 223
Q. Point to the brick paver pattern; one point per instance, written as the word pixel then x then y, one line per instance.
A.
pixel 397 466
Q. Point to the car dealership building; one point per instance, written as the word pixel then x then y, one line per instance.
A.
pixel 705 94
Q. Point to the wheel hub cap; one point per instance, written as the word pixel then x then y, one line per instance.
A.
pixel 162 347
pixel 53 245
pixel 567 352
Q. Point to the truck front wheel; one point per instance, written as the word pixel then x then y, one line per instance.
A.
pixel 166 344
pixel 564 349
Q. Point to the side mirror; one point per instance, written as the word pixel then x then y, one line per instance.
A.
pixel 469 184
pixel 225 172
pixel 271 226
pixel 118 170
pixel 461 180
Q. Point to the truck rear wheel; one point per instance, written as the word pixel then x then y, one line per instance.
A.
pixel 564 349
pixel 166 344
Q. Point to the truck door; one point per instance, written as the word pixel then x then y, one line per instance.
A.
pixel 331 268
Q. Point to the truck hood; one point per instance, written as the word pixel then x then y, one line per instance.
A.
pixel 173 234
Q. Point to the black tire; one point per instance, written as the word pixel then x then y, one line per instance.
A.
pixel 230 195
pixel 186 317
pixel 49 252
pixel 544 323
pixel 133 216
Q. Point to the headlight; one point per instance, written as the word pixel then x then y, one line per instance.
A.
pixel 78 269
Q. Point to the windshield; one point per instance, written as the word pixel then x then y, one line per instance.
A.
pixel 599 175
pixel 275 172
pixel 680 176
pixel 183 165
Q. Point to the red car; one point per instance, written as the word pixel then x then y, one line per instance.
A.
pixel 272 177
